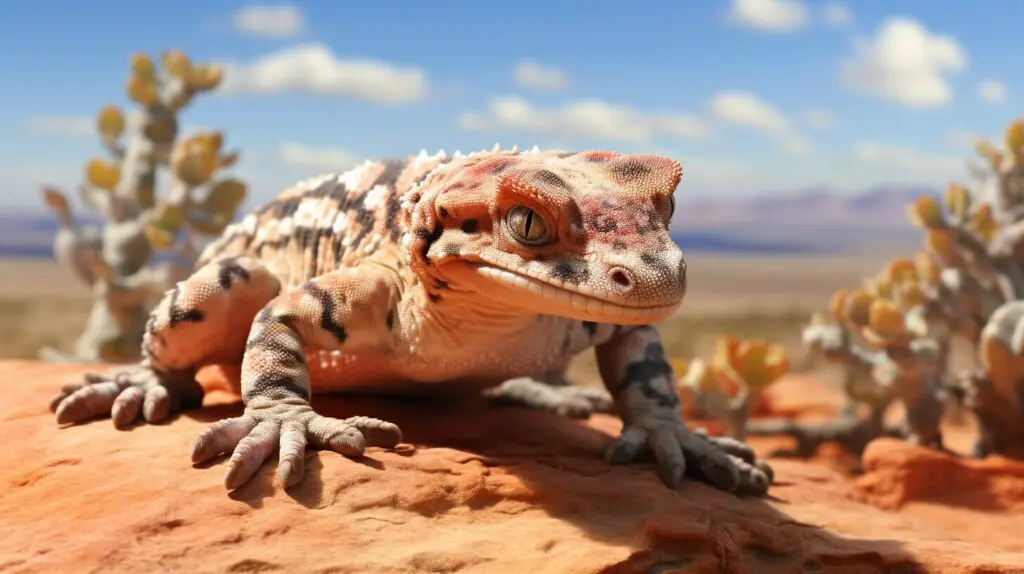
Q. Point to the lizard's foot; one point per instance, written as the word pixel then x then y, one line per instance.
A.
pixel 569 401
pixel 723 462
pixel 253 437
pixel 124 393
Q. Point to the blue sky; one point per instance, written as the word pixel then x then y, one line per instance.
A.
pixel 751 96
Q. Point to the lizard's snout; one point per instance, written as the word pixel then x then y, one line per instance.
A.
pixel 655 278
pixel 621 279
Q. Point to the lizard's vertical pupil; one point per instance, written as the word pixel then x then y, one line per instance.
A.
pixel 527 226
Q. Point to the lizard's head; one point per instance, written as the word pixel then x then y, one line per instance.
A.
pixel 581 235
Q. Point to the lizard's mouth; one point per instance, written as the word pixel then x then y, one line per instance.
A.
pixel 568 299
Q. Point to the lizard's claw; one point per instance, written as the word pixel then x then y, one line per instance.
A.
pixel 725 463
pixel 253 437
pixel 124 394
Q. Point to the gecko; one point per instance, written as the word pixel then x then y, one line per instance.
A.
pixel 469 272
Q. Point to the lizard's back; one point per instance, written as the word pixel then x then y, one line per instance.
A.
pixel 326 222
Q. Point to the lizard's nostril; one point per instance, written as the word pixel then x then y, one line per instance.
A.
pixel 621 277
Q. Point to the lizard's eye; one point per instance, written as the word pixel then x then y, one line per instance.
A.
pixel 671 206
pixel 527 226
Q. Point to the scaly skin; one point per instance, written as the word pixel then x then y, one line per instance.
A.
pixel 406 274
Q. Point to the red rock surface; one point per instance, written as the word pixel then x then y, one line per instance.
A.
pixel 476 490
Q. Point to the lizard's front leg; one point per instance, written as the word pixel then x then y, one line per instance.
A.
pixel 634 368
pixel 348 310
pixel 195 324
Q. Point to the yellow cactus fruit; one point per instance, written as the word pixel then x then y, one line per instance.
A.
pixel 983 224
pixel 142 66
pixel 776 363
pixel 724 355
pixel 159 238
pixel 205 77
pixel 957 200
pixel 989 152
pixel 940 242
pixel 837 306
pixel 879 287
pixel 759 364
pixel 927 269
pixel 910 295
pixel 110 122
pixel 858 308
pixel 1014 139
pixel 213 140
pixel 886 319
pixel 901 270
pixel 225 197
pixel 699 377
pixel 925 212
pixel 679 366
pixel 164 224
pixel 193 162
pixel 142 91
pixel 177 64
pixel 102 174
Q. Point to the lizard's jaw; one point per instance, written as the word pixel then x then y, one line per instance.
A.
pixel 553 297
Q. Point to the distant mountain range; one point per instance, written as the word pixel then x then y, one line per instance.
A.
pixel 878 206
pixel 805 221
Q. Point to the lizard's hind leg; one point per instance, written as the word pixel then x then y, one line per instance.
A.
pixel 553 393
pixel 203 320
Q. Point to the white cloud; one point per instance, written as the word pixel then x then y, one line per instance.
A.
pixel 991 91
pixel 270 20
pixel 819 119
pixel 64 126
pixel 837 15
pixel 745 109
pixel 314 68
pixel 908 160
pixel 906 63
pixel 536 76
pixel 334 159
pixel 583 119
pixel 768 15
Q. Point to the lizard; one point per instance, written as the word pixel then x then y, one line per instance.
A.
pixel 419 273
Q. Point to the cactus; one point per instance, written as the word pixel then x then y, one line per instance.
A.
pixel 881 333
pixel 115 260
pixel 730 384
pixel 894 333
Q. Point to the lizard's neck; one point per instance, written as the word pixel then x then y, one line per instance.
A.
pixel 459 319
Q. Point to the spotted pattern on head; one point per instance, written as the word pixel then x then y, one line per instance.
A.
pixel 606 214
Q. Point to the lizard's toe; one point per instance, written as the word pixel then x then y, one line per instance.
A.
pixel 289 429
pixel 728 444
pixel 725 463
pixel 377 432
pixel 221 437
pixel 88 402
pixel 127 407
pixel 124 394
